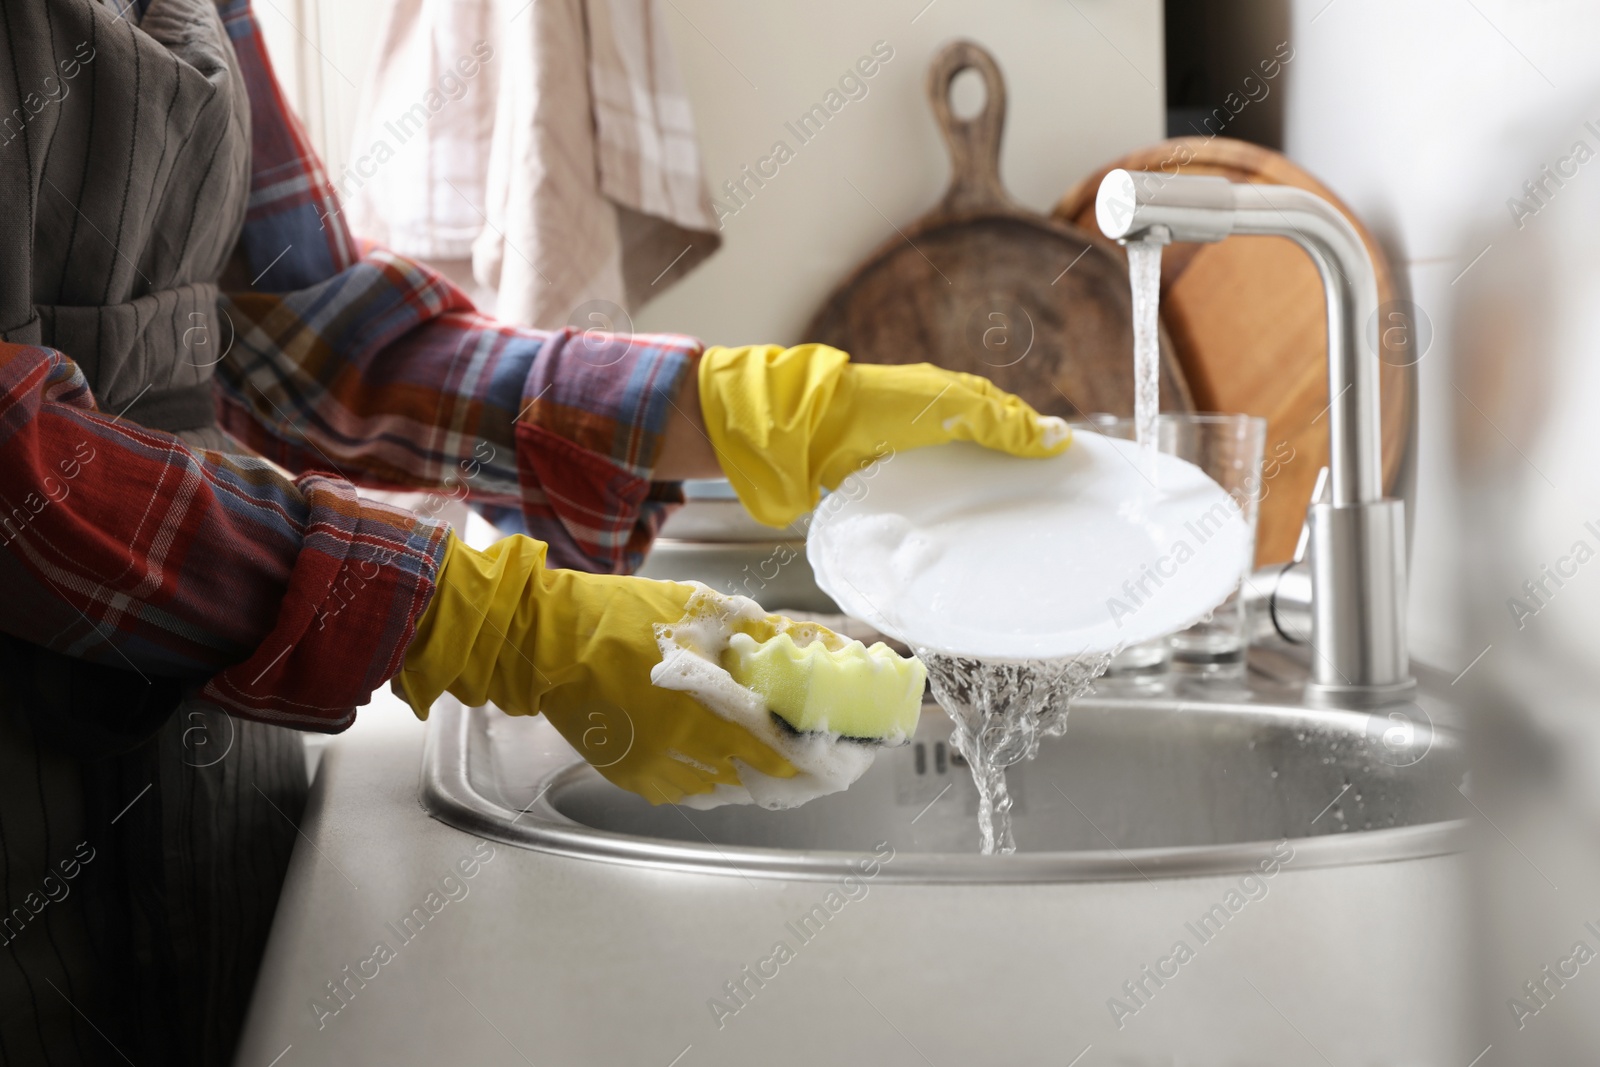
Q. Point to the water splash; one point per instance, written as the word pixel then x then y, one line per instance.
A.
pixel 1002 711
pixel 1144 276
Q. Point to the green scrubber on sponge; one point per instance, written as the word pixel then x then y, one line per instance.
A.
pixel 831 686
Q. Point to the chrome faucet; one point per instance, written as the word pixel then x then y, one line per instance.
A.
pixel 1356 537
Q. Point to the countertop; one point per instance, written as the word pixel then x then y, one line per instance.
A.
pixel 540 959
pixel 533 958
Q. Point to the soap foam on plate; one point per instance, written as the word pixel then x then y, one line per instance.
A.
pixel 958 549
pixel 691 651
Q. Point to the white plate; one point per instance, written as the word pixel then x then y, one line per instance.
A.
pixel 963 550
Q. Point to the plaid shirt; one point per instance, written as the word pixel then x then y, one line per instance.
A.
pixel 290 600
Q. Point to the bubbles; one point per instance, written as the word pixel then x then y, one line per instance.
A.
pixel 1053 430
pixel 691 651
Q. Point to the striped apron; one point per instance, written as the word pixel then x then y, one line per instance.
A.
pixel 142 840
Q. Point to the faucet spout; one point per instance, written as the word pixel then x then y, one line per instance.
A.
pixel 1357 536
pixel 1192 208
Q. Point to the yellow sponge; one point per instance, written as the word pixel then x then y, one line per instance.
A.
pixel 868 694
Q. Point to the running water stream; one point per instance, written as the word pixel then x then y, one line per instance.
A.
pixel 1003 710
pixel 1144 275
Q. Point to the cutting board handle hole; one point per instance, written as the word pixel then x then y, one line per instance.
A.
pixel 968 95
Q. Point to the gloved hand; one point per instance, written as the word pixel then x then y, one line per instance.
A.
pixel 578 648
pixel 787 423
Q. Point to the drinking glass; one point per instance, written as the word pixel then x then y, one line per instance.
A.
pixel 1229 449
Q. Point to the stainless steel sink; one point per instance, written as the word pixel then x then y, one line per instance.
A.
pixel 1174 782
pixel 1147 827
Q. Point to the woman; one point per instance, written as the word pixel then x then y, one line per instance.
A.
pixel 180 298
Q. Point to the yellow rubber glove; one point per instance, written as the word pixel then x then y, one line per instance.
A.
pixel 579 648
pixel 789 422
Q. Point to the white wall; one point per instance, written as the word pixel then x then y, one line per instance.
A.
pixel 1085 82
pixel 1424 116
pixel 1430 116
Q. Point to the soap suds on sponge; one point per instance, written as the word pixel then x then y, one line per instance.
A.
pixel 1054 430
pixel 824 687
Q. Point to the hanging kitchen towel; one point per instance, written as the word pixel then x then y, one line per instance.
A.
pixel 415 177
pixel 551 140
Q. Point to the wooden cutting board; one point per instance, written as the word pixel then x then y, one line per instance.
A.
pixel 1247 320
pixel 980 284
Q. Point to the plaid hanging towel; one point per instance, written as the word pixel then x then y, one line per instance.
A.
pixel 551 142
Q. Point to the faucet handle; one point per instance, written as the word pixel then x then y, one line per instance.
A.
pixel 1277 597
pixel 1319 495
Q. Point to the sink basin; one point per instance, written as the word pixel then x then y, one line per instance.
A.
pixel 1185 781
pixel 1328 842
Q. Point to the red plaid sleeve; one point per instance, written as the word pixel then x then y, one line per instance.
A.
pixel 367 364
pixel 386 375
pixel 286 601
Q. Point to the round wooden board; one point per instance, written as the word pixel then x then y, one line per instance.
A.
pixel 1249 326
pixel 1039 306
